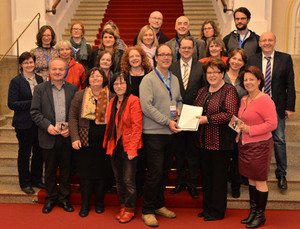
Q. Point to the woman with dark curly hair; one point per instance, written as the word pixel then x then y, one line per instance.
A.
pixel 109 43
pixel 135 65
pixel 45 40
pixel 209 30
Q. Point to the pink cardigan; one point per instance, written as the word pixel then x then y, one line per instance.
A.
pixel 260 116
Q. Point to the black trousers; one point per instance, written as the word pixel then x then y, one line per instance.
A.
pixel 28 142
pixel 58 157
pixel 90 186
pixel 159 149
pixel 214 166
pixel 186 155
pixel 125 171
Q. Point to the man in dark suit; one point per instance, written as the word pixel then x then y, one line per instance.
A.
pixel 279 66
pixel 49 110
pixel 191 79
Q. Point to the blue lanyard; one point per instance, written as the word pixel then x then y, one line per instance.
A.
pixel 75 52
pixel 158 35
pixel 168 88
pixel 47 59
pixel 67 70
pixel 242 41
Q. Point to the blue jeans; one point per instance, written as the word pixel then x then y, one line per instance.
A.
pixel 280 148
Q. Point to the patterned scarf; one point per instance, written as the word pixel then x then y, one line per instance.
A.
pixel 82 46
pixel 91 110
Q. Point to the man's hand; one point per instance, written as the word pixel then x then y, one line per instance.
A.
pixel 52 130
pixel 288 114
pixel 174 127
pixel 76 144
pixel 65 133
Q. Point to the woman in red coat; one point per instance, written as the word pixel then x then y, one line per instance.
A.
pixel 123 138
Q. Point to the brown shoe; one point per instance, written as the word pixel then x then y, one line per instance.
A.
pixel 118 216
pixel 165 213
pixel 126 217
pixel 150 220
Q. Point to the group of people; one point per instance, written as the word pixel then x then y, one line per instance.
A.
pixel 115 110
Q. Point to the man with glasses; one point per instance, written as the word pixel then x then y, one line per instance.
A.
pixel 161 104
pixel 155 21
pixel 279 84
pixel 191 79
pixel 242 37
pixel 182 27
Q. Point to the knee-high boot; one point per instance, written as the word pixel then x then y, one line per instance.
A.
pixel 86 193
pixel 252 196
pixel 259 218
pixel 99 195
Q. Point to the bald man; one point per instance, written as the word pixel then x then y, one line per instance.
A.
pixel 155 21
pixel 282 92
pixel 182 27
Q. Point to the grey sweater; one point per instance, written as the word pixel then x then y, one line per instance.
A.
pixel 155 102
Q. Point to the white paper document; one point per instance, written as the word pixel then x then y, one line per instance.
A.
pixel 188 120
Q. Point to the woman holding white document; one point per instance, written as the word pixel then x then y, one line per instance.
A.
pixel 214 138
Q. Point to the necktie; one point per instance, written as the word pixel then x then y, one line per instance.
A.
pixel 267 88
pixel 185 78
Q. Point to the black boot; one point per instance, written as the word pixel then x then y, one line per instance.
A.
pixel 86 186
pixel 259 218
pixel 252 196
pixel 99 190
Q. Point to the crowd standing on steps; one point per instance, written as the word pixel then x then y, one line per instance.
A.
pixel 116 110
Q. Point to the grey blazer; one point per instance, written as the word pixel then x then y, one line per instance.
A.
pixel 42 110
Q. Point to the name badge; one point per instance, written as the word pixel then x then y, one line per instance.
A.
pixel 173 111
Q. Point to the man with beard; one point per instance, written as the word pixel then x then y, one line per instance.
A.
pixel 155 21
pixel 242 37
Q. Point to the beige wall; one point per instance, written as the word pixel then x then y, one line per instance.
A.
pixel 5 26
pixel 280 23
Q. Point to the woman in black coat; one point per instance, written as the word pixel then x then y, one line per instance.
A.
pixel 19 100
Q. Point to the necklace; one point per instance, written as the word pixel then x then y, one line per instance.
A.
pixel 137 73
pixel 249 99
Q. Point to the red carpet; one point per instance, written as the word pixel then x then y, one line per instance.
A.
pixel 30 216
pixel 131 15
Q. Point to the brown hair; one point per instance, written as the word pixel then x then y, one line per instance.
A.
pixel 215 28
pixel 114 27
pixel 25 56
pixel 233 53
pixel 125 66
pixel 218 41
pixel 111 32
pixel 189 38
pixel 218 63
pixel 40 33
pixel 90 72
pixel 256 72
pixel 78 23
pixel 101 55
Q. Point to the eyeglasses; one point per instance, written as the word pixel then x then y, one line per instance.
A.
pixel 212 73
pixel 267 40
pixel 186 48
pixel 46 35
pixel 209 28
pixel 119 84
pixel 76 29
pixel 164 54
pixel 157 18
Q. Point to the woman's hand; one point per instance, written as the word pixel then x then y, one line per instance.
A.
pixel 245 128
pixel 203 120
pixel 130 157
pixel 76 144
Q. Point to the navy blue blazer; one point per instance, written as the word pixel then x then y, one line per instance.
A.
pixel 19 100
pixel 282 82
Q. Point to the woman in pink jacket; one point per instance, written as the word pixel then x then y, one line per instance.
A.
pixel 258 113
